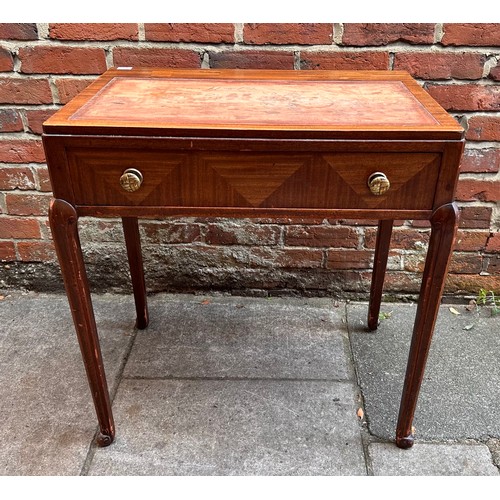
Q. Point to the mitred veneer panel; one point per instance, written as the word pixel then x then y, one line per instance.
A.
pixel 270 180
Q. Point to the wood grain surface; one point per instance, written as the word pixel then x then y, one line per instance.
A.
pixel 251 103
pixel 232 103
pixel 267 180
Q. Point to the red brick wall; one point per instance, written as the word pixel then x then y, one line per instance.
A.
pixel 42 66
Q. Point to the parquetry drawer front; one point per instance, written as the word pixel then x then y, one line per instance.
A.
pixel 412 178
pixel 337 180
pixel 96 176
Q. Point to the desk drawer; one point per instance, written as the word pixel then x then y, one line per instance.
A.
pixel 260 180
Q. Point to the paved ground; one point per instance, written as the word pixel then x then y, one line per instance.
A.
pixel 245 386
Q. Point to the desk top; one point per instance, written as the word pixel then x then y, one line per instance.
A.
pixel 250 103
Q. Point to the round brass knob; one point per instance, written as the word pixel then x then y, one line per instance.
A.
pixel 378 183
pixel 131 180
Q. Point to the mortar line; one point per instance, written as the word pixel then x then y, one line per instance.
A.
pixel 335 46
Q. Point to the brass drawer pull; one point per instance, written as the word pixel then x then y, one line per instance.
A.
pixel 378 183
pixel 131 180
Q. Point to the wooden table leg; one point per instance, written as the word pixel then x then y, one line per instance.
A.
pixel 63 223
pixel 444 225
pixel 379 266
pixel 133 244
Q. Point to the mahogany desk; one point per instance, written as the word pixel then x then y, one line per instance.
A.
pixel 153 143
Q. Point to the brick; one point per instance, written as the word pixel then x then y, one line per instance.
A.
pixel 495 73
pixel 363 222
pixel 466 263
pixel 94 230
pixel 21 151
pixel 395 260
pixel 476 189
pixel 18 31
pixel 288 220
pixel 10 121
pixel 480 160
pixel 36 117
pixel 471 241
pixel 483 128
pixel 67 88
pixel 16 178
pixel 94 31
pixel 471 283
pixel 441 65
pixel 19 228
pixel 190 32
pixel 42 178
pixel 6 60
pixel 482 34
pixel 406 239
pixel 349 259
pixel 7 251
pixel 491 264
pixel 475 217
pixel 25 91
pixel 421 223
pixel 321 236
pixel 288 33
pixel 384 33
pixel 27 204
pixel 156 57
pixel 354 222
pixel 358 60
pixel 242 234
pixel 461 263
pixel 414 262
pixel 62 60
pixel 252 59
pixel 493 244
pixel 169 233
pixel 401 282
pixel 36 251
pixel 294 258
pixel 205 256
pixel 466 97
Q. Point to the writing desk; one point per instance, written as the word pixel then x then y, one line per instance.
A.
pixel 229 143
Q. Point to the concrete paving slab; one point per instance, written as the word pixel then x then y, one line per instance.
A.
pixel 459 397
pixel 225 398
pixel 235 337
pixel 431 460
pixel 233 427
pixel 48 419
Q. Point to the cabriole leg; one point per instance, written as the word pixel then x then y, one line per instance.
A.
pixel 63 223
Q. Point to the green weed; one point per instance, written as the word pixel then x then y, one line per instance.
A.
pixel 488 298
